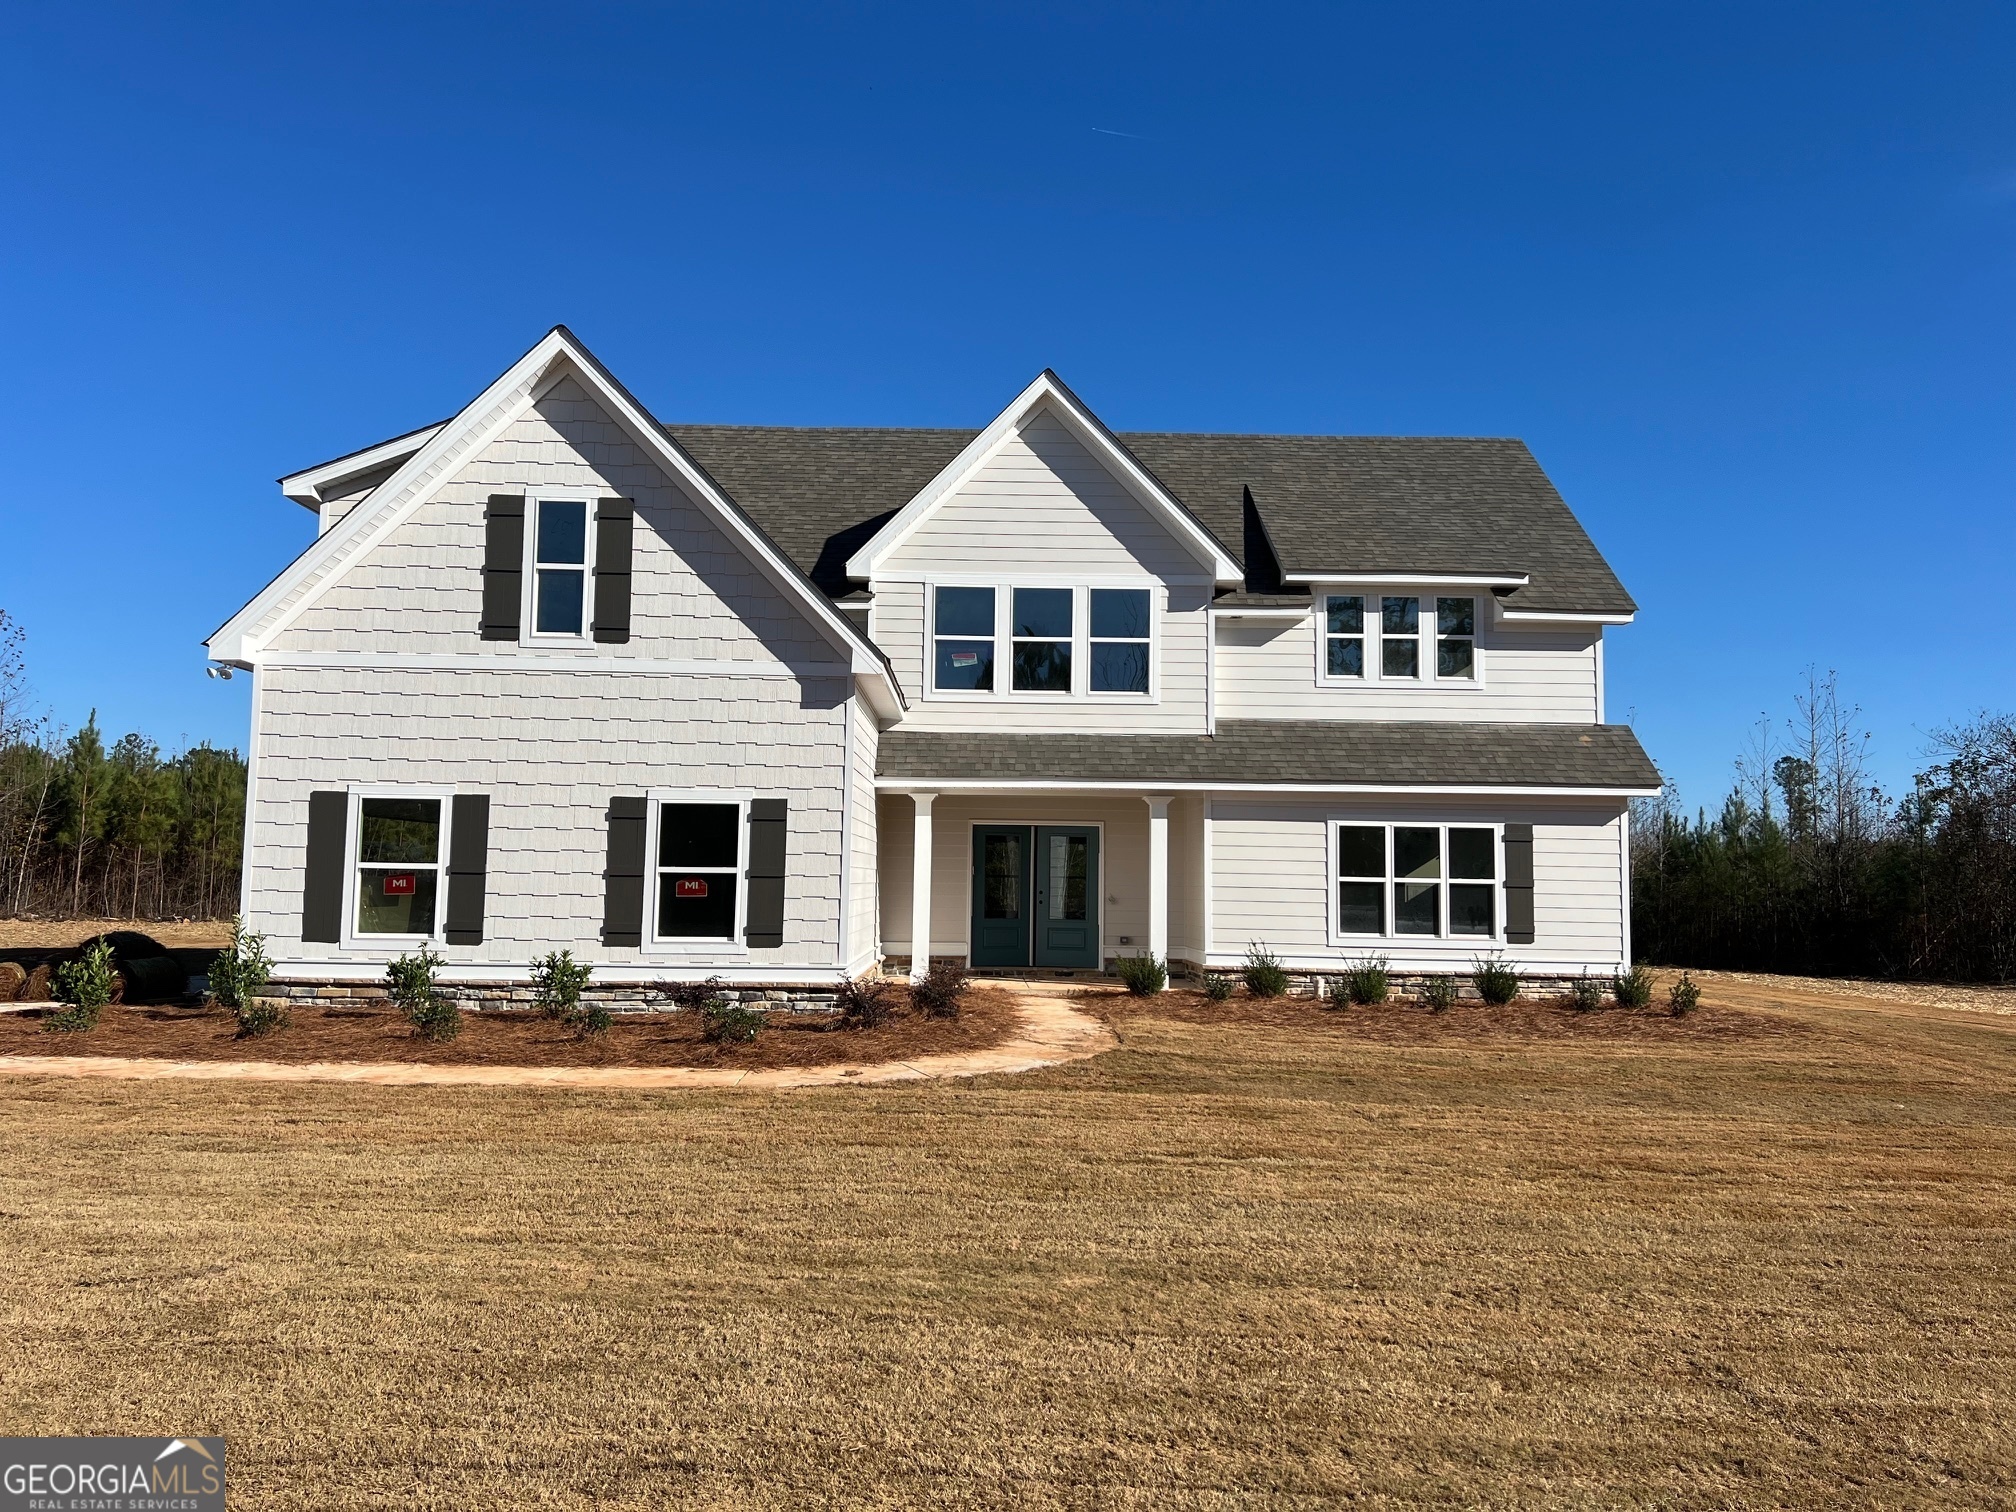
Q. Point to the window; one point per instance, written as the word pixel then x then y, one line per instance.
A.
pixel 700 862
pixel 1437 881
pixel 1456 637
pixel 963 633
pixel 1344 635
pixel 1120 638
pixel 560 568
pixel 1041 639
pixel 1399 637
pixel 398 866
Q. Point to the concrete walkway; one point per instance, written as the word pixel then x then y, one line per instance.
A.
pixel 1051 1033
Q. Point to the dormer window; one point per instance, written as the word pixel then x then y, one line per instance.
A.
pixel 1061 641
pixel 560 568
pixel 1456 637
pixel 963 640
pixel 1344 637
pixel 1042 640
pixel 1120 640
pixel 1397 638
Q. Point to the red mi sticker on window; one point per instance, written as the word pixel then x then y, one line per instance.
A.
pixel 965 658
pixel 398 884
pixel 689 887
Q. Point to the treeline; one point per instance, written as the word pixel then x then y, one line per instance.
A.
pixel 1809 869
pixel 121 832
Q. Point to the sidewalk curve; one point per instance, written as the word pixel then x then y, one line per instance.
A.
pixel 1051 1033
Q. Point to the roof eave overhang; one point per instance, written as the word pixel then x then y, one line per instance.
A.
pixel 1151 785
pixel 312 486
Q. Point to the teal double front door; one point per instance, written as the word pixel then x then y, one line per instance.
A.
pixel 1035 895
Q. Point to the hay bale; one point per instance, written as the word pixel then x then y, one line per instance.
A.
pixel 36 988
pixel 13 977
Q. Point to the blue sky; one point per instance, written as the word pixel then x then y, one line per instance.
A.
pixel 1740 275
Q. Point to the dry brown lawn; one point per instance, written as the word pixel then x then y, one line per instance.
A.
pixel 1235 1263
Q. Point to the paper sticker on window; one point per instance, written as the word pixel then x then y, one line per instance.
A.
pixel 689 887
pixel 965 658
pixel 398 884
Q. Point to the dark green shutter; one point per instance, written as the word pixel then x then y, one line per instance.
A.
pixel 769 825
pixel 613 519
pixel 1519 884
pixel 468 853
pixel 503 565
pixel 322 885
pixel 623 878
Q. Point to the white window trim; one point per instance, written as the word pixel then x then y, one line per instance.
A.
pixel 1425 634
pixel 1391 936
pixel 528 593
pixel 735 947
pixel 353 839
pixel 1081 638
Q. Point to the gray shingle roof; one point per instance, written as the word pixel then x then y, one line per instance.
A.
pixel 1355 503
pixel 1286 751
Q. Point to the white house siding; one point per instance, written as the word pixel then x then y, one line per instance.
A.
pixel 862 882
pixel 1123 863
pixel 1186 879
pixel 550 749
pixel 1267 670
pixel 695 593
pixel 358 490
pixel 1270 881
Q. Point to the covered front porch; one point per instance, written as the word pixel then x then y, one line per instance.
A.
pixel 1049 880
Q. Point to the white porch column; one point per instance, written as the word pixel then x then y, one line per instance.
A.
pixel 1158 879
pixel 920 887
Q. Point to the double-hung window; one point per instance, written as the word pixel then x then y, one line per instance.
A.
pixel 1456 637
pixel 1344 635
pixel 398 866
pixel 962 635
pixel 1121 632
pixel 1041 636
pixel 560 568
pixel 1400 637
pixel 701 857
pixel 1439 881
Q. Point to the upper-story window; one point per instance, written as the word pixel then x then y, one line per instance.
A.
pixel 1120 640
pixel 963 640
pixel 1043 639
pixel 1058 641
pixel 560 568
pixel 1396 638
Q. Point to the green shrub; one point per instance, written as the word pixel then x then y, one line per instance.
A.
pixel 1585 993
pixel 1363 984
pixel 1438 992
pixel 409 982
pixel 1263 972
pixel 1683 997
pixel 1218 986
pixel 865 1002
pixel 239 971
pixel 726 1023
pixel 1633 989
pixel 940 992
pixel 1144 975
pixel 257 1016
pixel 84 986
pixel 557 980
pixel 1496 982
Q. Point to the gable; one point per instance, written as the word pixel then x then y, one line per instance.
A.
pixel 1041 502
pixel 418 587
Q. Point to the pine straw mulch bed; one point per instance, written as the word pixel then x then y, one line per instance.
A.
pixel 373 1036
pixel 1400 1021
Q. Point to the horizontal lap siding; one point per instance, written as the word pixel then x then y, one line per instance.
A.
pixel 862 883
pixel 1186 876
pixel 1270 880
pixel 550 749
pixel 695 593
pixel 1265 671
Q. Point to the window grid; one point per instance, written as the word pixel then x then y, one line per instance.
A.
pixel 560 568
pixel 698 841
pixel 1456 638
pixel 398 842
pixel 1344 635
pixel 1415 881
pixel 1121 628
pixel 963 629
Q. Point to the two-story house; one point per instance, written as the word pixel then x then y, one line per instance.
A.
pixel 781 704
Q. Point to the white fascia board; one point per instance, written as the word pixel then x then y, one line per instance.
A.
pixel 556 354
pixel 1543 617
pixel 1046 390
pixel 1432 579
pixel 309 487
pixel 1442 790
pixel 1276 612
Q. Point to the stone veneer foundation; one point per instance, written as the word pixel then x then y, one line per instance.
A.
pixel 618 997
